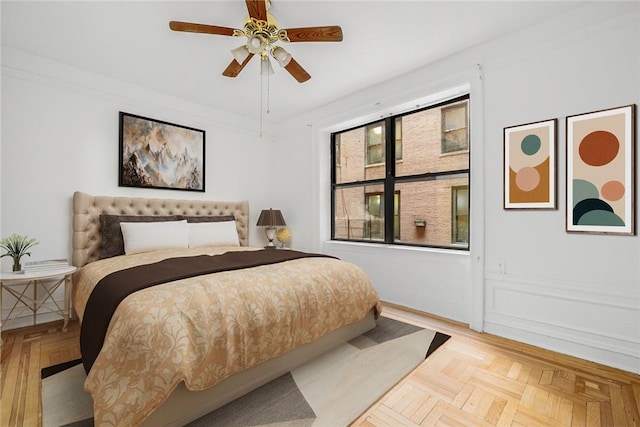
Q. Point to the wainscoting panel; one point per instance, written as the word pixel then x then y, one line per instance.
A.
pixel 593 324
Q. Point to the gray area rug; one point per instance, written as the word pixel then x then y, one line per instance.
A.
pixel 331 390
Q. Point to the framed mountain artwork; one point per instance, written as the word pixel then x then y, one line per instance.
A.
pixel 158 154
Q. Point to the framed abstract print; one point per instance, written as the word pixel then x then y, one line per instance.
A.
pixel 601 171
pixel 157 154
pixel 530 165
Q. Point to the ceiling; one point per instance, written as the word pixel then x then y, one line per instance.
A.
pixel 131 41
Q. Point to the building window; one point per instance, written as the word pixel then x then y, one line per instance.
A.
pixel 398 128
pixel 455 135
pixel 375 143
pixel 460 215
pixel 396 215
pixel 375 146
pixel 373 164
pixel 374 224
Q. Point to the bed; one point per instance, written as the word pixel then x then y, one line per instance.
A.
pixel 169 353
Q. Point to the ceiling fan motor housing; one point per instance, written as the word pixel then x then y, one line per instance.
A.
pixel 261 34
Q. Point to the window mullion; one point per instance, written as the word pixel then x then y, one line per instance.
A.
pixel 390 162
pixel 334 139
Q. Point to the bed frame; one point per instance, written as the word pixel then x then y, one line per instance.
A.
pixel 183 406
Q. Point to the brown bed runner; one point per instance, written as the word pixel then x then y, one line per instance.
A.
pixel 115 287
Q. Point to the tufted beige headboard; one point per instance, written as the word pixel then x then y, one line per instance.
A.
pixel 87 209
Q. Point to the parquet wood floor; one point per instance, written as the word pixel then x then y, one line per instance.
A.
pixel 473 380
pixel 24 352
pixel 480 380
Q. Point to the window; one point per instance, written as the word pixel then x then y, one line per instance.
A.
pixel 375 143
pixel 396 215
pixel 398 127
pixel 375 147
pixel 374 225
pixel 422 156
pixel 460 215
pixel 454 128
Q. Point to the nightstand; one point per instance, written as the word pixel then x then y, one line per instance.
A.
pixel 48 281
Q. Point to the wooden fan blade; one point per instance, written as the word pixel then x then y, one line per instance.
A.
pixel 331 33
pixel 200 28
pixel 257 9
pixel 234 68
pixel 296 70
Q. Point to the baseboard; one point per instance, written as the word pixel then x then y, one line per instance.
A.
pixel 602 356
pixel 566 342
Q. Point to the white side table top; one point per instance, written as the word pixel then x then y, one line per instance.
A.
pixel 11 277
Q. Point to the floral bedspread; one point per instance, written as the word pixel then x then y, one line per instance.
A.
pixel 204 329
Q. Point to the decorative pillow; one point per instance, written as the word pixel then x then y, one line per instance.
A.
pixel 112 243
pixel 219 233
pixel 150 236
pixel 219 218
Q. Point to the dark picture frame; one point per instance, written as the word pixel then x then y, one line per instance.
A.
pixel 158 154
pixel 530 162
pixel 601 171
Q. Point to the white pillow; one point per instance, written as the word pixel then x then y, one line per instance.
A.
pixel 222 233
pixel 149 236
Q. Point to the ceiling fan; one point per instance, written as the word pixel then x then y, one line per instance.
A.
pixel 262 33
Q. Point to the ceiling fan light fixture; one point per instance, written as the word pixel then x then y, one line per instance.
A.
pixel 265 66
pixel 256 44
pixel 262 31
pixel 240 53
pixel 282 56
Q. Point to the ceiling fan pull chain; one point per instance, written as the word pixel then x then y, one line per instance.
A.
pixel 268 94
pixel 262 109
pixel 261 104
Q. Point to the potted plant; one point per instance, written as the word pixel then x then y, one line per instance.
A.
pixel 16 247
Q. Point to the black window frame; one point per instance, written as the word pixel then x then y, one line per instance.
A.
pixel 390 178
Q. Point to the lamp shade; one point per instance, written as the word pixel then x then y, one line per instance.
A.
pixel 240 53
pixel 265 67
pixel 271 218
pixel 282 56
pixel 256 44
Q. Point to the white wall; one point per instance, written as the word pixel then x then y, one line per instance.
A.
pixel 60 135
pixel 577 293
pixel 574 293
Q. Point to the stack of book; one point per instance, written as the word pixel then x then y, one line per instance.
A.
pixel 46 265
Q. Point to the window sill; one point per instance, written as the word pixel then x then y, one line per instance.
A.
pixel 356 246
pixel 376 165
pixel 373 165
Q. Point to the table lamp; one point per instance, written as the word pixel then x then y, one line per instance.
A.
pixel 270 218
